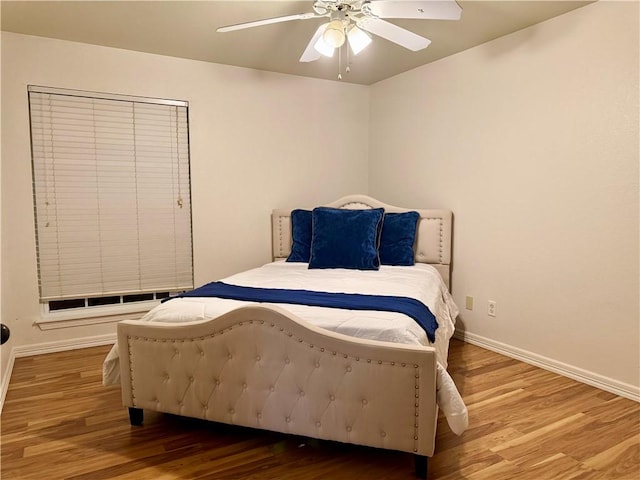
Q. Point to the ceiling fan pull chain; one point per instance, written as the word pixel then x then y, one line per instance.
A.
pixel 339 63
pixel 348 68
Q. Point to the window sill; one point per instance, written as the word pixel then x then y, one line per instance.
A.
pixel 93 315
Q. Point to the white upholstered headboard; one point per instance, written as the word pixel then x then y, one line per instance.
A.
pixel 433 239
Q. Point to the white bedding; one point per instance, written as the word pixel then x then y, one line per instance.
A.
pixel 421 282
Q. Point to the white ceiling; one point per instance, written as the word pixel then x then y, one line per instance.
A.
pixel 188 29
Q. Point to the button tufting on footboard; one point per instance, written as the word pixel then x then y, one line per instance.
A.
pixel 193 385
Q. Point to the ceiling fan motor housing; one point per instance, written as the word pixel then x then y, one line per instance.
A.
pixel 322 7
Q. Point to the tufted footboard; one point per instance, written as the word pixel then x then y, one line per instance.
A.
pixel 264 368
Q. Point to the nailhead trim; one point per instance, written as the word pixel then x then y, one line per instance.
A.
pixel 281 247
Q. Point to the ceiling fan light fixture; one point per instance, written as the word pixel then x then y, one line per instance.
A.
pixel 334 35
pixel 358 39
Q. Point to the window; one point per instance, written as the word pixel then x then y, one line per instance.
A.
pixel 112 198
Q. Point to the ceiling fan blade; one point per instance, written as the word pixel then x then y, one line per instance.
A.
pixel 267 21
pixel 310 54
pixel 393 33
pixel 425 10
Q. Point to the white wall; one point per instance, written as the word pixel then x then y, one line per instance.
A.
pixel 532 141
pixel 258 141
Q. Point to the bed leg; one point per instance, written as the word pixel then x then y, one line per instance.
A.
pixel 135 416
pixel 421 466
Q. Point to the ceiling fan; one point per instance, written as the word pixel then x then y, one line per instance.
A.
pixel 350 21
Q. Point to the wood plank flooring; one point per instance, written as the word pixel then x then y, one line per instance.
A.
pixel 59 422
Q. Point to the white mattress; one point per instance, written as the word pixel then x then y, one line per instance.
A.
pixel 421 282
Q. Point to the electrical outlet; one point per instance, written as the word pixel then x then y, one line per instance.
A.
pixel 492 308
pixel 468 304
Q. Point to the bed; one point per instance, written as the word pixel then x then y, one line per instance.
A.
pixel 353 375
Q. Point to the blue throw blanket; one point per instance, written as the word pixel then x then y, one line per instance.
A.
pixel 348 301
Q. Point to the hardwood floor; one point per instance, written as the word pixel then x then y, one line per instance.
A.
pixel 59 422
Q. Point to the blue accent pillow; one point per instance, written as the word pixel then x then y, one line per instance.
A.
pixel 345 238
pixel 301 233
pixel 397 238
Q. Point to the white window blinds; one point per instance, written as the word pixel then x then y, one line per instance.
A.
pixel 111 193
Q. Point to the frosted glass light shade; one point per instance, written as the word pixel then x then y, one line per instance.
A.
pixel 358 39
pixel 324 49
pixel 334 34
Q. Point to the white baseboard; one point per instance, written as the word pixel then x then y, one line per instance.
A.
pixel 64 345
pixel 590 378
pixel 49 347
